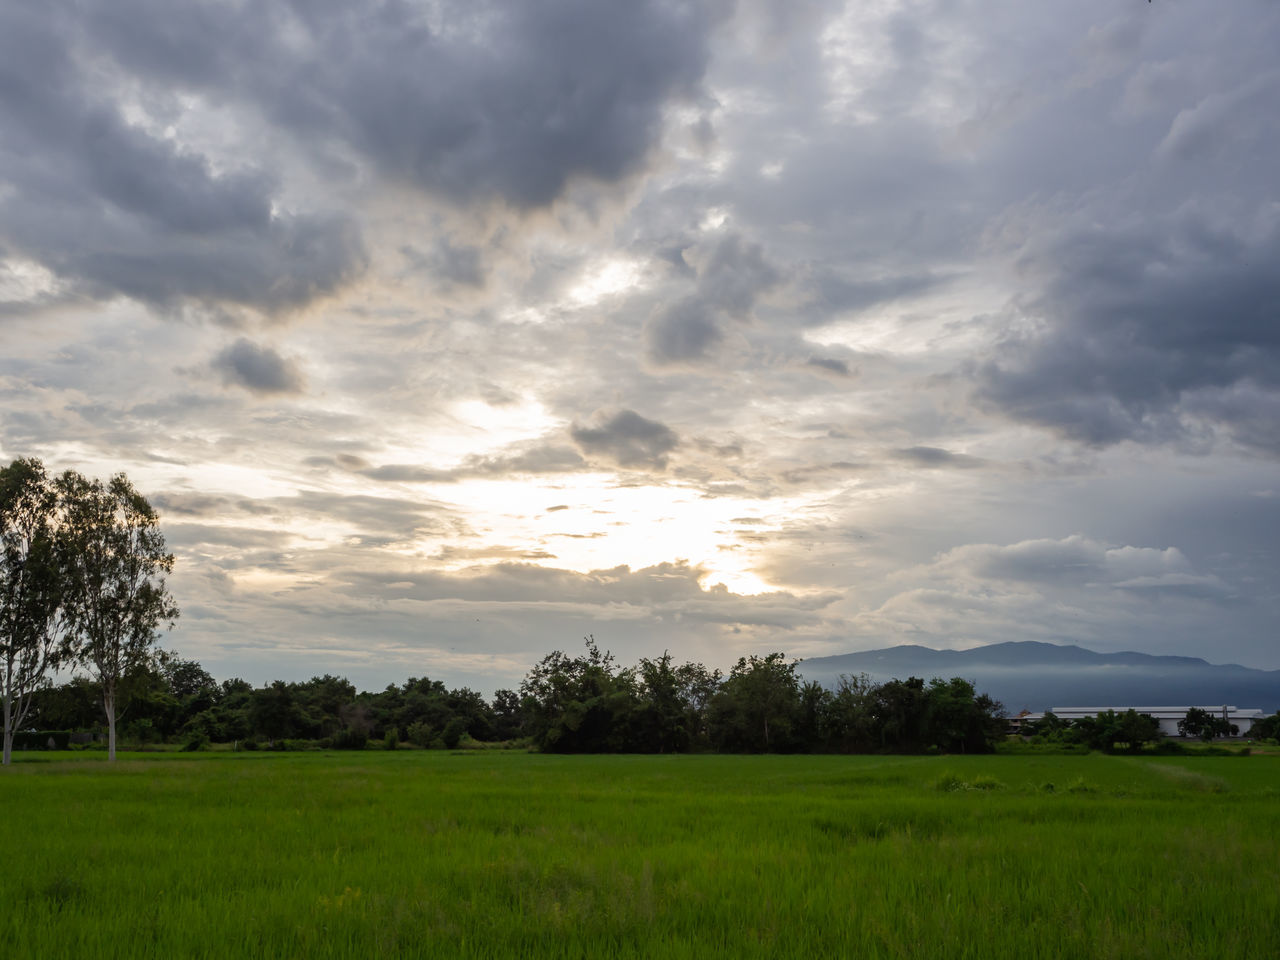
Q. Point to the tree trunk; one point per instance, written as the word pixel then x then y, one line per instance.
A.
pixel 8 711
pixel 109 704
pixel 8 730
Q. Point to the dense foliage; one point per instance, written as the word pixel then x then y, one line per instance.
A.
pixel 1203 724
pixel 1109 730
pixel 82 581
pixel 580 704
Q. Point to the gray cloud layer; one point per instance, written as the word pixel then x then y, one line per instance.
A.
pixel 469 101
pixel 259 369
pixel 445 332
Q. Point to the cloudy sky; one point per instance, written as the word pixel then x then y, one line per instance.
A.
pixel 444 333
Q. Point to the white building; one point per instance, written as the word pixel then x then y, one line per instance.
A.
pixel 1168 717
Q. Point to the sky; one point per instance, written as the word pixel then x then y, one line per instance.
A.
pixel 444 334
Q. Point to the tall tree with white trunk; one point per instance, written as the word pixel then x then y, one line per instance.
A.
pixel 32 617
pixel 115 594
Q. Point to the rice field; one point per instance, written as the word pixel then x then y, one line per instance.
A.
pixel 490 854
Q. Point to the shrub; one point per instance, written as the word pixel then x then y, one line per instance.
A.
pixel 984 782
pixel 392 739
pixel 420 733
pixel 949 782
pixel 352 738
pixel 196 742
pixel 41 739
pixel 453 732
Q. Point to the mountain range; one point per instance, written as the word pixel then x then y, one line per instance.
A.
pixel 1036 676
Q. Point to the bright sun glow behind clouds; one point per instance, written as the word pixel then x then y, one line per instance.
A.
pixel 601 525
pixel 605 277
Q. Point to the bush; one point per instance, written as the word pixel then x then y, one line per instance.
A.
pixel 41 739
pixel 139 732
pixel 195 742
pixel 948 782
pixel 453 732
pixel 420 733
pixel 985 782
pixel 351 738
pixel 392 739
pixel 249 745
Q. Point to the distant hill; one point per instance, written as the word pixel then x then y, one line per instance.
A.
pixel 1037 676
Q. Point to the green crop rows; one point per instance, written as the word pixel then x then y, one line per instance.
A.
pixel 420 853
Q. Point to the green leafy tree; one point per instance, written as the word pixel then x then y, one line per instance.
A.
pixel 1110 731
pixel 661 723
pixel 1268 728
pixel 508 722
pixel 959 720
pixel 74 705
pixel 274 712
pixel 1049 727
pixel 580 704
pixel 900 710
pixel 32 614
pixel 231 711
pixel 1137 729
pixel 848 722
pixel 116 598
pixel 815 701
pixel 1205 725
pixel 698 686
pixel 453 731
pixel 756 709
pixel 320 702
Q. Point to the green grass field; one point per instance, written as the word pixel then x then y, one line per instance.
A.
pixel 491 854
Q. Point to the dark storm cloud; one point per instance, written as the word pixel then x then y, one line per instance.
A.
pixel 258 369
pixel 1148 326
pixel 833 293
pixel 539 458
pixel 628 439
pixel 206 505
pixel 683 332
pixel 829 365
pixel 661 591
pixel 112 210
pixel 451 264
pixel 731 274
pixel 188 535
pixel 494 100
pixel 936 457
pixel 468 99
pixel 399 518
pixel 1078 561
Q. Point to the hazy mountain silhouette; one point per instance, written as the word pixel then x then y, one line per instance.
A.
pixel 1036 676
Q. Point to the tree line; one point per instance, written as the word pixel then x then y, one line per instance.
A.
pixel 566 704
pixel 82 588
pixel 82 585
pixel 1130 730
